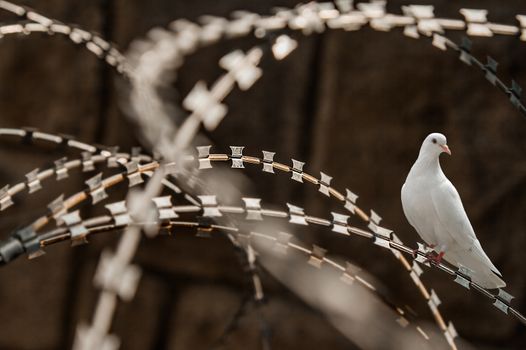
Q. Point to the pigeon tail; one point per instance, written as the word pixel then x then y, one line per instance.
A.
pixel 497 272
pixel 487 276
pixel 488 279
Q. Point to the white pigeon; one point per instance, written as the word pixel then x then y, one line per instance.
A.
pixel 433 207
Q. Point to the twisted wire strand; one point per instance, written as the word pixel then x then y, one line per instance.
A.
pixel 103 224
pixel 29 22
pixel 381 236
pixel 119 177
pixel 60 173
pixel 195 208
pixel 497 84
pixel 44 240
pixel 438 41
pixel 165 49
pixel 97 335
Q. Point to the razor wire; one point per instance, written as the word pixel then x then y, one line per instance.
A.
pixel 62 167
pixel 217 111
pixel 308 18
pixel 91 154
pixel 283 241
pixel 164 50
pixel 96 335
pixel 381 236
pixel 424 23
pixel 475 26
pixel 30 21
pixel 32 244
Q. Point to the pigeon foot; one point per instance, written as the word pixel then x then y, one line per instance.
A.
pixel 428 246
pixel 437 259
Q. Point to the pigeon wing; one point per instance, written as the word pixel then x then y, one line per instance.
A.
pixel 412 204
pixel 451 214
pixel 454 221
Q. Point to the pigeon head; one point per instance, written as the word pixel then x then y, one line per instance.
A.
pixel 435 144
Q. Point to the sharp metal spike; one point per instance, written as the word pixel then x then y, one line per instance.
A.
pixel 339 223
pixel 476 22
pixel 350 201
pixel 5 198
pixel 434 298
pixel 317 255
pixel 344 5
pixel 503 300
pixel 112 158
pixel 297 170
pixel 87 162
pixel 201 102
pixel 283 46
pixel 416 268
pixel 451 329
pixel 243 67
pixel 135 154
pixel 60 169
pixel 112 275
pixel 268 159
pixel 491 70
pixel 282 242
pixel 297 215
pixel 76 228
pixel 325 183
pixel 424 250
pixel 515 93
pixel 375 218
pixel 439 42
pixel 382 237
pixel 88 337
pixel 119 212
pixel 237 156
pixel 209 205
pixel 463 276
pixel 350 273
pixel 204 157
pixel 253 208
pixel 96 187
pixel 33 182
pixel 419 11
pixel 411 31
pixel 133 174
pixel 58 209
pixel 402 321
pixel 466 44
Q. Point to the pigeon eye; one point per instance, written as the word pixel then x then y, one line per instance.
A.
pixel 434 140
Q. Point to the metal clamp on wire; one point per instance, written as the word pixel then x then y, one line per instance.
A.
pixel 10 249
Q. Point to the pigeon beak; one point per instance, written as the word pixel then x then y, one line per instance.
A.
pixel 446 149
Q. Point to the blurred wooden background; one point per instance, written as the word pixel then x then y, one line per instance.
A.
pixel 353 105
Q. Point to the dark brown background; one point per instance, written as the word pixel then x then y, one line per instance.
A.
pixel 354 105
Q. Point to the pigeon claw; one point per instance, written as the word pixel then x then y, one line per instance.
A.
pixel 427 246
pixel 435 258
